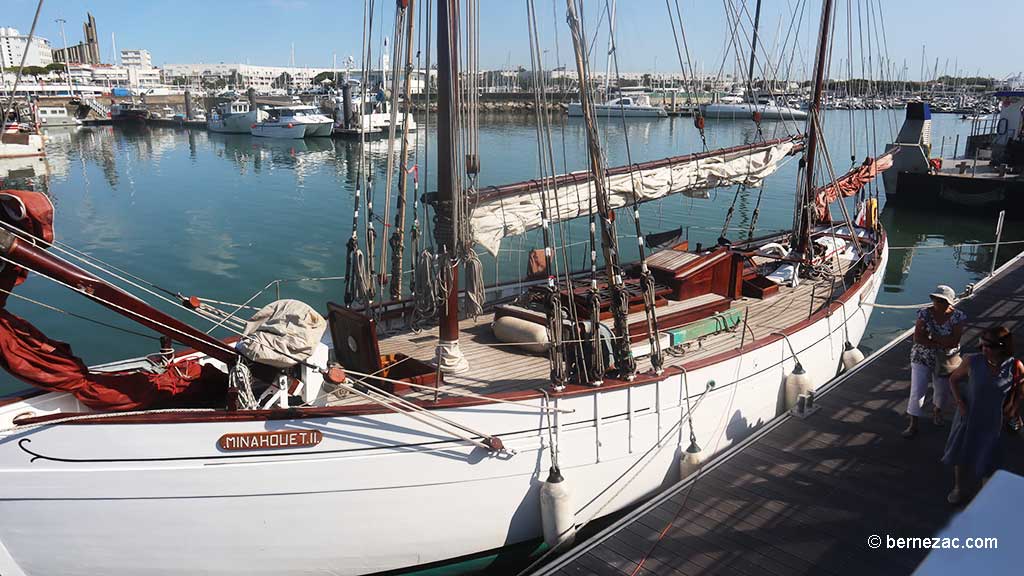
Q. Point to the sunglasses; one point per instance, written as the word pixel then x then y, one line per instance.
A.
pixel 988 344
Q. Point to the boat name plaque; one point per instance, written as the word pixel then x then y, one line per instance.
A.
pixel 270 440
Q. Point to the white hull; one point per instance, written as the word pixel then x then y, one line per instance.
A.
pixel 381 491
pixel 234 123
pixel 65 121
pixel 575 110
pixel 319 129
pixel 286 131
pixel 32 147
pixel 745 111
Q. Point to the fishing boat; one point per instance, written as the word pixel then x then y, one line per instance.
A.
pixel 56 116
pixel 235 117
pixel 629 106
pixel 128 112
pixel 363 440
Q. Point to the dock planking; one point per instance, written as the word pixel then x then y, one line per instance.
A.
pixel 803 496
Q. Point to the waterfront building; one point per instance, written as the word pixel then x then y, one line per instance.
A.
pixel 13 44
pixel 135 58
pixel 267 78
pixel 85 52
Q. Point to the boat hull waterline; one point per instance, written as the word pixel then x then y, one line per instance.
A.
pixel 126 499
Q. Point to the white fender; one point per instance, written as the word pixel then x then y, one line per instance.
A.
pixel 557 517
pixel 512 330
pixel 690 460
pixel 797 383
pixel 851 356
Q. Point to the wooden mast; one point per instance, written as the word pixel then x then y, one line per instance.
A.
pixel 806 198
pixel 625 364
pixel 450 357
pixel 753 50
pixel 398 236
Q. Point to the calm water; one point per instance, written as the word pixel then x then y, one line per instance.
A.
pixel 220 216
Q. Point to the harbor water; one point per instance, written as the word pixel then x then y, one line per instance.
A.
pixel 221 216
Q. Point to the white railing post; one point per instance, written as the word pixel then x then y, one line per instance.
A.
pixel 999 234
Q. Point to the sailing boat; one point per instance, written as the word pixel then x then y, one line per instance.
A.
pixel 334 449
pixel 763 106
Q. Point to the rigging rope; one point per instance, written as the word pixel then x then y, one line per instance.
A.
pixel 625 363
pixel 646 277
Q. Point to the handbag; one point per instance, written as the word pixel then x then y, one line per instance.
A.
pixel 946 362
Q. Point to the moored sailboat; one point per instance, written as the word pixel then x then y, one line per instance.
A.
pixel 295 461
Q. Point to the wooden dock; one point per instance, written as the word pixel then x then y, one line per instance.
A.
pixel 802 496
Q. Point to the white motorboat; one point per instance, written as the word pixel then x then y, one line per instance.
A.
pixel 276 128
pixel 629 106
pixel 314 123
pixel 766 106
pixel 55 116
pixel 235 117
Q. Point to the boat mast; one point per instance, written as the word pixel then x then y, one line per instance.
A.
pixel 806 193
pixel 398 236
pixel 753 47
pixel 449 356
pixel 625 364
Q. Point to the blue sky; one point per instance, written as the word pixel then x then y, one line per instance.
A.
pixel 262 31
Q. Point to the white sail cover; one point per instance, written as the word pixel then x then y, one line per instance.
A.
pixel 503 215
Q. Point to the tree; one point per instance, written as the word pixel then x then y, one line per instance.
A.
pixel 282 81
pixel 319 78
pixel 55 67
pixel 35 71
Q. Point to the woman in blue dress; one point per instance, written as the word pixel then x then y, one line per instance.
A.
pixel 987 391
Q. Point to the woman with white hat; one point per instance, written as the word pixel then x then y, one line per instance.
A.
pixel 935 353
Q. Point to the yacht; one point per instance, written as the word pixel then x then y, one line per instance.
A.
pixel 628 105
pixel 55 116
pixel 235 117
pixel 727 108
pixel 313 122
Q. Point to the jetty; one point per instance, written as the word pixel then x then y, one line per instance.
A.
pixel 806 495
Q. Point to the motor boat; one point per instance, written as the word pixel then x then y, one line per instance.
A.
pixel 630 106
pixel 235 117
pixel 313 122
pixel 276 127
pixel 128 112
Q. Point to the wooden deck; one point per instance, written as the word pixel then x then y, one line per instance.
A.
pixel 496 367
pixel 803 496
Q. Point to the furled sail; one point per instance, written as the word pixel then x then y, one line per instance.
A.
pixel 31 356
pixel 516 208
pixel 850 183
